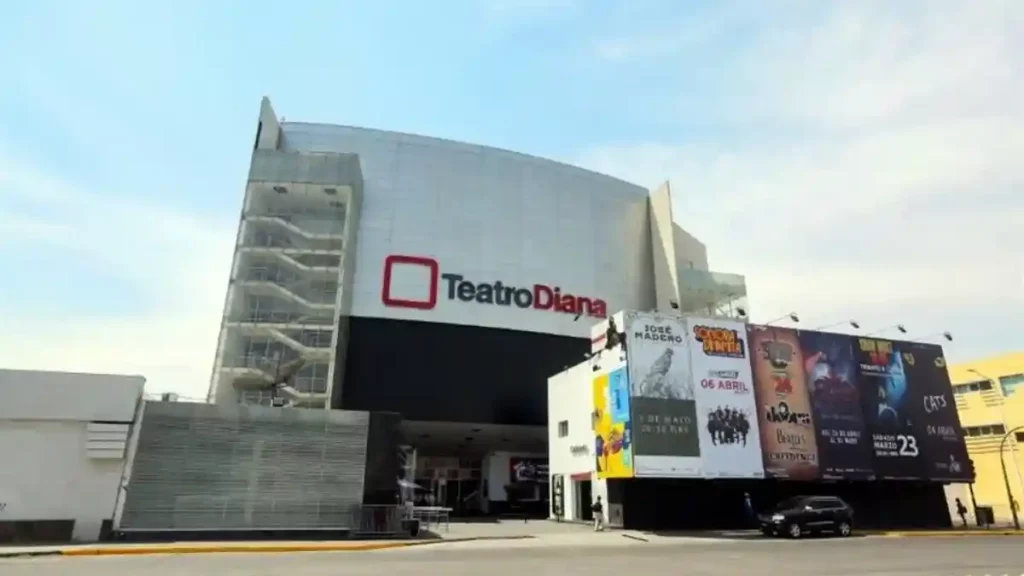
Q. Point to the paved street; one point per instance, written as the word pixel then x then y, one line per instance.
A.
pixel 974 556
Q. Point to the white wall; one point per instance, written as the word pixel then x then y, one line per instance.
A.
pixel 489 215
pixel 663 246
pixel 690 252
pixel 56 464
pixel 570 398
pixel 40 395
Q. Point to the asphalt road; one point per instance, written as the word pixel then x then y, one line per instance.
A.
pixel 972 556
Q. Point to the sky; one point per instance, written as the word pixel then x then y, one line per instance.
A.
pixel 854 160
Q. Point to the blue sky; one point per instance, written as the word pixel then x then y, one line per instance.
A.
pixel 855 159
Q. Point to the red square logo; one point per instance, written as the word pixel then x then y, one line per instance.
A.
pixel 410 263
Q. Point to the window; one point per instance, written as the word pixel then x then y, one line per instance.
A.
pixel 563 428
pixel 1010 383
pixel 1020 436
pixel 987 430
pixel 972 387
pixel 827 503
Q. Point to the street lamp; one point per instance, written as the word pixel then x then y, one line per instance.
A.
pixel 900 327
pixel 853 323
pixel 945 336
pixel 1006 478
pixel 792 316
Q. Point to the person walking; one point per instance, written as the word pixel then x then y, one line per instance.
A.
pixel 961 511
pixel 748 510
pixel 598 509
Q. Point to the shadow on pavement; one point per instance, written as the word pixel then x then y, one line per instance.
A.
pixel 736 535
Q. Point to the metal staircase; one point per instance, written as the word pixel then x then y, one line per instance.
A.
pixel 287 293
pixel 286 256
pixel 276 332
pixel 286 278
pixel 283 223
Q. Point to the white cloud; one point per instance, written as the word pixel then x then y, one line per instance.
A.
pixel 177 263
pixel 880 177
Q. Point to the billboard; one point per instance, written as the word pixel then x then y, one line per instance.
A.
pixel 664 414
pixel 889 408
pixel 788 439
pixel 716 398
pixel 528 470
pixel 935 419
pixel 844 446
pixel 723 387
pixel 613 448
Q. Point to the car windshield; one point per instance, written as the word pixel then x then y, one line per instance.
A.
pixel 788 504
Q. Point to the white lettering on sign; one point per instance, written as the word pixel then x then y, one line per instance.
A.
pixel 934 403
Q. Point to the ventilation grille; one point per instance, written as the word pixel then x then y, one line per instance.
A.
pixel 104 441
pixel 234 467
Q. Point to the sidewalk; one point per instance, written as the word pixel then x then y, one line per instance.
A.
pixel 994 531
pixel 541 533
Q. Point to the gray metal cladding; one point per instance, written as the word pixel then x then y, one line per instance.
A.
pixel 237 467
pixel 309 168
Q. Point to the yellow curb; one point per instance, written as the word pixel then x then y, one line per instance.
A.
pixel 935 533
pixel 242 548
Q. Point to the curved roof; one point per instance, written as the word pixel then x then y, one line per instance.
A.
pixel 316 128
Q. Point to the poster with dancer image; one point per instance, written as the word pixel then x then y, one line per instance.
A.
pixel 613 450
pixel 724 390
pixel 788 440
pixel 886 398
pixel 844 446
pixel 664 414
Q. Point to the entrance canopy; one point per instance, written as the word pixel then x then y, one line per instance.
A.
pixel 469 439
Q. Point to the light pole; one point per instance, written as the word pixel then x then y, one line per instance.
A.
pixel 792 316
pixel 945 335
pixel 1006 477
pixel 970 488
pixel 853 323
pixel 900 327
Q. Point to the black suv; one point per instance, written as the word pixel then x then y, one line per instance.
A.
pixel 802 515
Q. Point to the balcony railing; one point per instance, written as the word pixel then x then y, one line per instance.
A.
pixel 279 317
pixel 327 294
pixel 305 384
pixel 264 362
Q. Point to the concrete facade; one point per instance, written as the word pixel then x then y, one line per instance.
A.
pixel 62 441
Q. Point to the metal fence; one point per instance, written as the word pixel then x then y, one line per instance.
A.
pixel 379 521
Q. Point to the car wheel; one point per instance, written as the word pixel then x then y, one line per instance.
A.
pixel 844 529
pixel 794 530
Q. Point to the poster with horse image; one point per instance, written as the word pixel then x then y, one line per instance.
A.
pixel 724 391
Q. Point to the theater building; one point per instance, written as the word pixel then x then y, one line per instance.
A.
pixel 443 281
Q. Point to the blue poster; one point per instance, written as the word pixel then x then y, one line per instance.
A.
pixel 618 390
